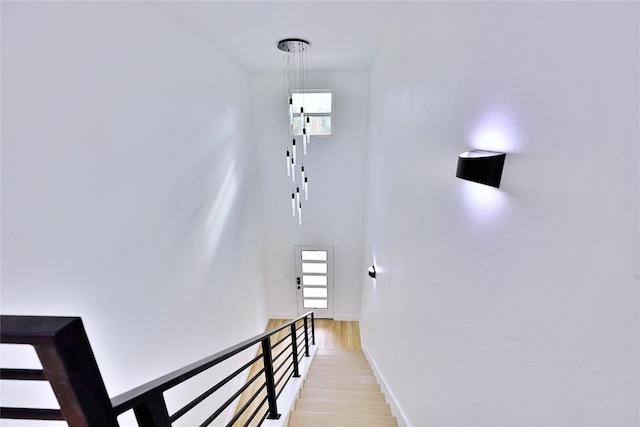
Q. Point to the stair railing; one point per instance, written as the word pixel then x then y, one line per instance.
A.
pixel 69 365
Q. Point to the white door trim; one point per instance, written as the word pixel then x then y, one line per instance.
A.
pixel 330 275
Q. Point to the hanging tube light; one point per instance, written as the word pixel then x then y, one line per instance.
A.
pixel 294 151
pixel 290 111
pixel 288 164
pixel 304 141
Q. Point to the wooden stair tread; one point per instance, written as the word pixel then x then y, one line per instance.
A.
pixel 339 351
pixel 336 370
pixel 336 363
pixel 344 355
pixel 340 385
pixel 324 359
pixel 342 407
pixel 341 390
pixel 320 419
pixel 346 362
pixel 344 395
pixel 352 378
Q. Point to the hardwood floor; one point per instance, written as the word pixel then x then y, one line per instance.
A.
pixel 330 334
pixel 337 334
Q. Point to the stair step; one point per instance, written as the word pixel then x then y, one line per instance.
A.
pixel 343 395
pixel 362 379
pixel 346 362
pixel 358 367
pixel 342 359
pixel 341 390
pixel 351 353
pixel 340 385
pixel 319 419
pixel 337 370
pixel 342 407
pixel 339 351
pixel 343 362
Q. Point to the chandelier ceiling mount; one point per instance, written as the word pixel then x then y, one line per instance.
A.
pixel 293 45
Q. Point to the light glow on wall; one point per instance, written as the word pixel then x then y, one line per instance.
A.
pixel 495 131
pixel 483 203
pixel 221 208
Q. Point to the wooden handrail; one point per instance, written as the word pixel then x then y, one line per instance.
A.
pixel 69 365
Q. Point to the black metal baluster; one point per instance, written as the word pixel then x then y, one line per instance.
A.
pixel 306 337
pixel 270 382
pixel 153 412
pixel 294 350
pixel 313 329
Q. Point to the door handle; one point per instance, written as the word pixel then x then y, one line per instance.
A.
pixel 298 282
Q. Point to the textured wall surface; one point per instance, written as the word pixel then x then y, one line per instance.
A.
pixel 336 169
pixel 518 305
pixel 126 196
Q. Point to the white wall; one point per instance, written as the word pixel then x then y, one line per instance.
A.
pixel 335 166
pixel 128 193
pixel 518 305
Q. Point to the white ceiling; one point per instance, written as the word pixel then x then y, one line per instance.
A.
pixel 342 34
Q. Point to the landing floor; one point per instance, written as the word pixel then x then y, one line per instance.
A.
pixel 331 333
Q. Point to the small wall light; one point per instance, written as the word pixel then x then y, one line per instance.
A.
pixel 484 167
pixel 372 271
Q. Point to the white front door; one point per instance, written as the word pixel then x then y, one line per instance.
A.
pixel 314 280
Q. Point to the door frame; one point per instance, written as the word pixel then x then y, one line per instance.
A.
pixel 328 313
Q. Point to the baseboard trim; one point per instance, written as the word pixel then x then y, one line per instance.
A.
pixel 396 410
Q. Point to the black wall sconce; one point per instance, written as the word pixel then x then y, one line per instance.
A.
pixel 372 271
pixel 484 167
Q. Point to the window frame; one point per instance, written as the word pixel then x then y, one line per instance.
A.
pixel 330 114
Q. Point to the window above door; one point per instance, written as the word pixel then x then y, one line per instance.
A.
pixel 318 108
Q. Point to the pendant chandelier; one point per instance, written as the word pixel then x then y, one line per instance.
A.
pixel 295 79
